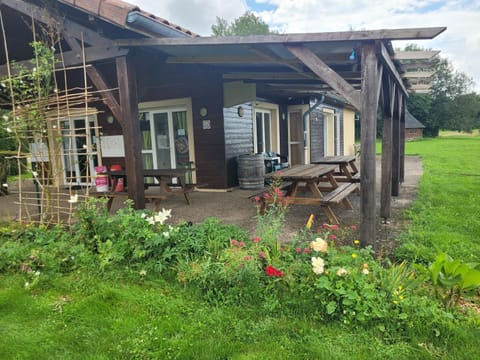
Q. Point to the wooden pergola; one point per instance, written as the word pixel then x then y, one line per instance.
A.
pixel 359 66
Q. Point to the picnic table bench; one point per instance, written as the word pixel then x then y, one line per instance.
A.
pixel 304 189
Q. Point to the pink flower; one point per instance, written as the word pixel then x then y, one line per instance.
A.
pixel 334 227
pixel 306 251
pixel 353 227
pixel 326 226
pixel 234 242
pixel 298 250
pixel 241 244
pixel 278 191
pixel 262 255
pixel 257 198
pixel 332 237
pixel 247 258
pixel 256 239
pixel 266 196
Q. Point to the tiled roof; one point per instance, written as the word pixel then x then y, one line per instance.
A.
pixel 116 12
pixel 411 122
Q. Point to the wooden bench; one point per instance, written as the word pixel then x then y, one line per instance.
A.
pixel 355 178
pixel 149 198
pixel 337 196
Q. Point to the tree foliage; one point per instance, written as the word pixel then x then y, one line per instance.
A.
pixel 451 104
pixel 247 24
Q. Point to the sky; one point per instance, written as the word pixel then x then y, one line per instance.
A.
pixel 460 43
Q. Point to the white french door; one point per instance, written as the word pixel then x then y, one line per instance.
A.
pixel 79 149
pixel 165 138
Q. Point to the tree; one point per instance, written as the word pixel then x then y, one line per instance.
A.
pixel 419 105
pixel 450 90
pixel 247 24
pixel 450 105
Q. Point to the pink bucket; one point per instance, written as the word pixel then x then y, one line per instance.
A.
pixel 101 183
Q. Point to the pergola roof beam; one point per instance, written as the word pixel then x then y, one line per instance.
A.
pixel 384 34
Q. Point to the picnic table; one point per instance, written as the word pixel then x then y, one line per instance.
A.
pixel 347 168
pixel 304 187
pixel 169 181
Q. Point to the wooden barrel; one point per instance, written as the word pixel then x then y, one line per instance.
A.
pixel 251 171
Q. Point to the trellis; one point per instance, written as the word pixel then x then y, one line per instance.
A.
pixel 36 119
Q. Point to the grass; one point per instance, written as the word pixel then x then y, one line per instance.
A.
pixel 82 317
pixel 121 315
pixel 446 215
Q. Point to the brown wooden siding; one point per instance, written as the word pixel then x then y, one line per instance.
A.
pixel 157 81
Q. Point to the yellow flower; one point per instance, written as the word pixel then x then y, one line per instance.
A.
pixel 356 242
pixel 310 221
pixel 354 256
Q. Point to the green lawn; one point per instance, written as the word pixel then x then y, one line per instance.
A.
pixel 93 310
pixel 446 216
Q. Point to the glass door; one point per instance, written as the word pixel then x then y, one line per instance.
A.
pixel 165 139
pixel 262 125
pixel 79 150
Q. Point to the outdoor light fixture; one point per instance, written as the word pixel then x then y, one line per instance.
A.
pixel 203 111
pixel 240 111
pixel 110 119
pixel 352 55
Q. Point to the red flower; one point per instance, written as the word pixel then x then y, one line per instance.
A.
pixel 334 227
pixel 332 237
pixel 306 251
pixel 256 239
pixel 298 250
pixel 271 271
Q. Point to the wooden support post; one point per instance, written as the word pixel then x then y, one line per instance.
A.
pixel 387 113
pixel 127 84
pixel 369 106
pixel 402 140
pixel 396 147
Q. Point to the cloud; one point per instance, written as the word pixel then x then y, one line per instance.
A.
pixel 195 15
